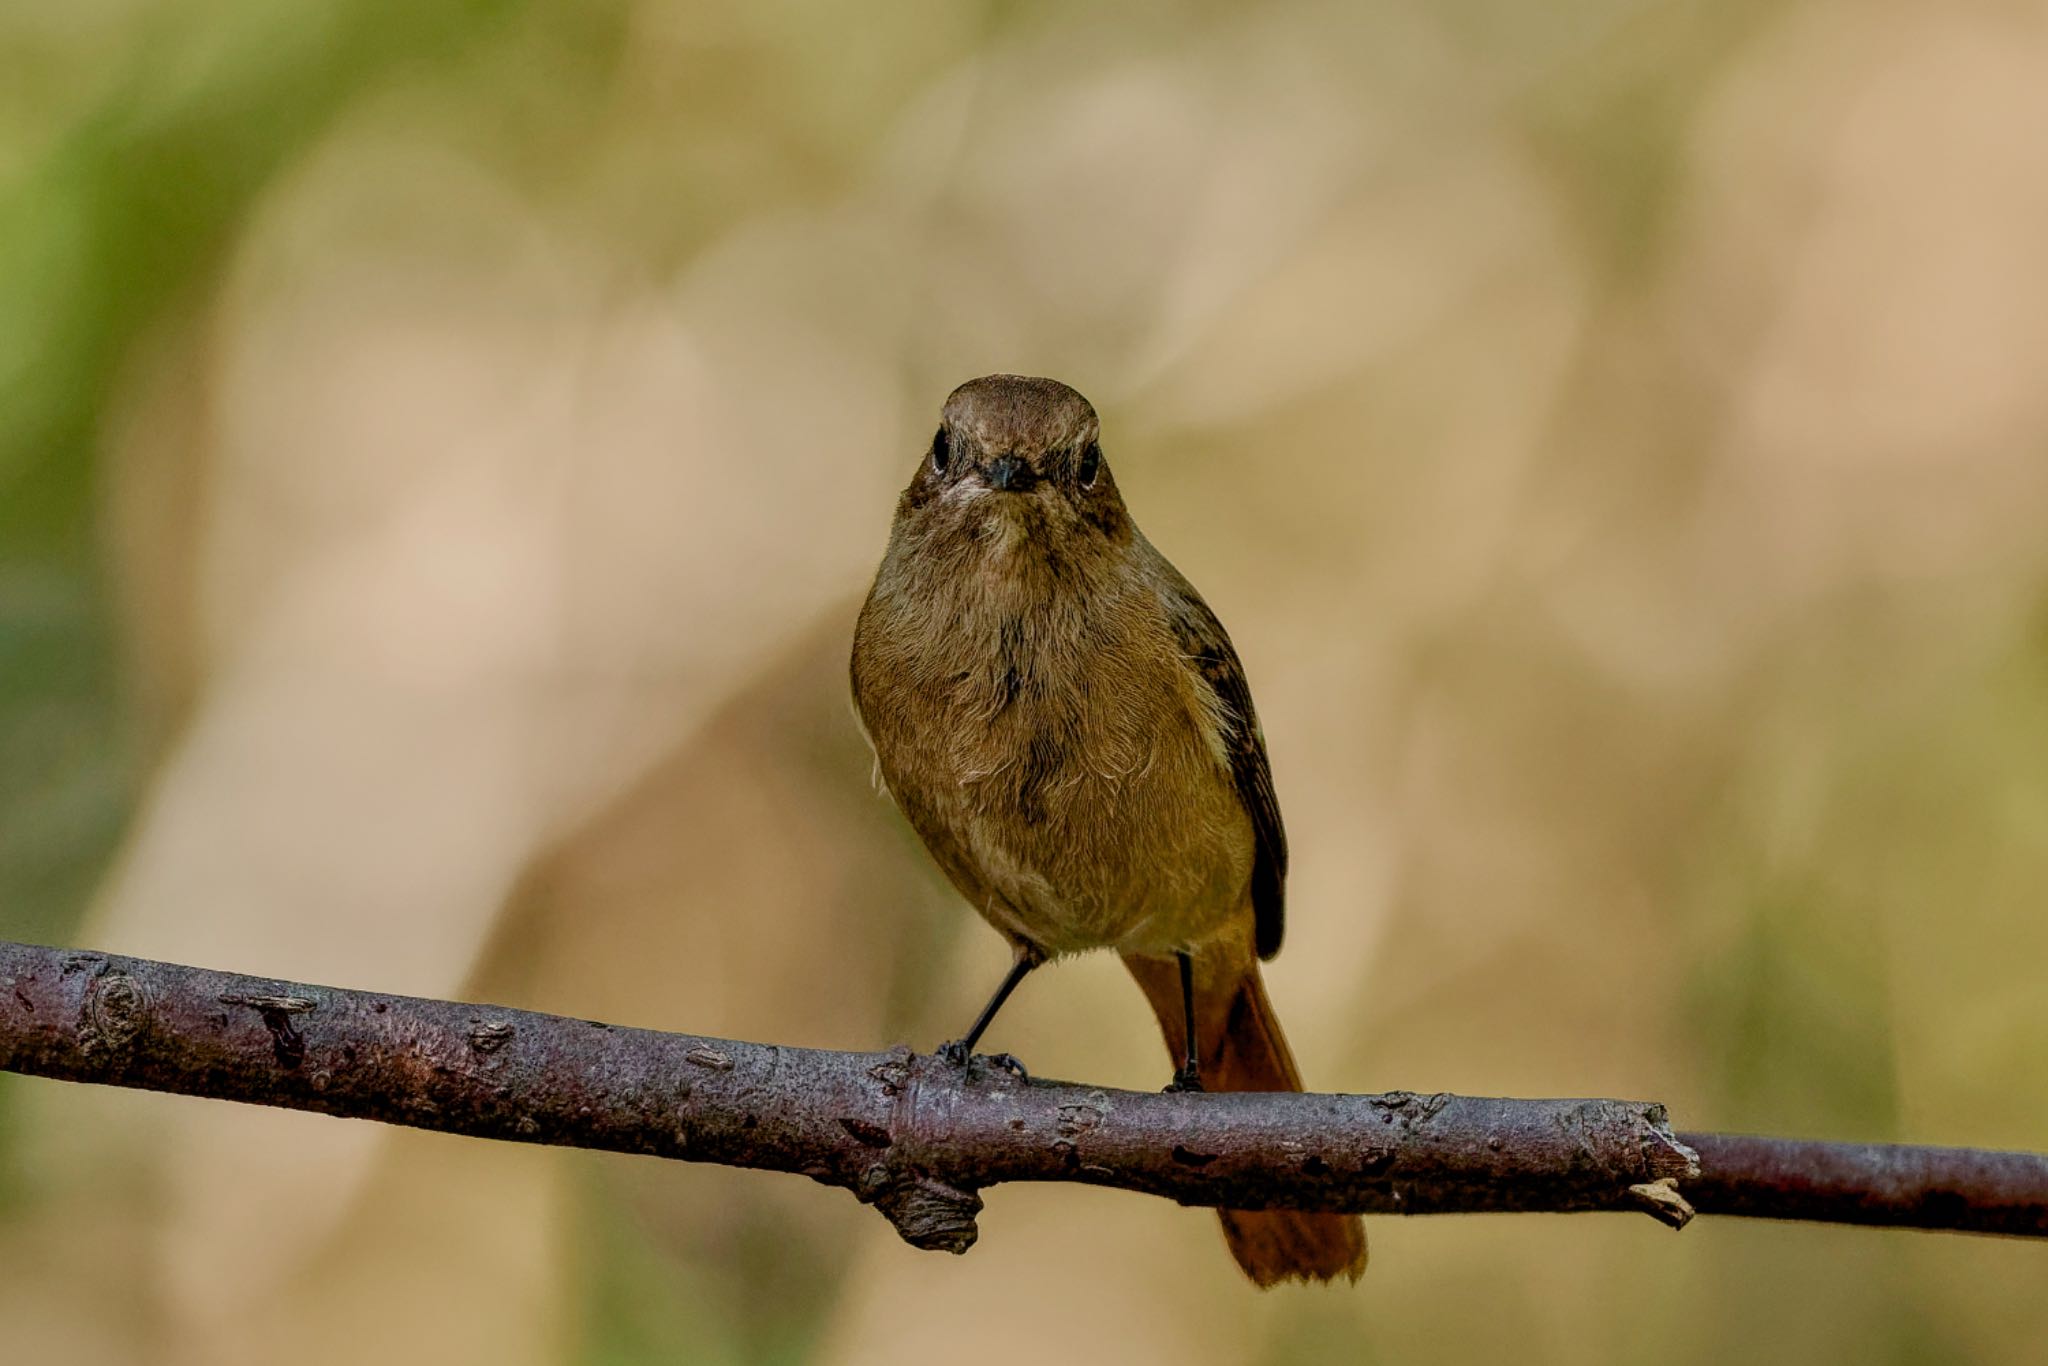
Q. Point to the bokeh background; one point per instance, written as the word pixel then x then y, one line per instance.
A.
pixel 443 445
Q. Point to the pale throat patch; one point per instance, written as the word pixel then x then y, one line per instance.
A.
pixel 1003 522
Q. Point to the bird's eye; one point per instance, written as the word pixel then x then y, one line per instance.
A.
pixel 942 451
pixel 1091 463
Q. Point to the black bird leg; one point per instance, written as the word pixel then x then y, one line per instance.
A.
pixel 1189 1077
pixel 960 1050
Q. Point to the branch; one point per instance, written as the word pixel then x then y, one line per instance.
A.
pixel 920 1139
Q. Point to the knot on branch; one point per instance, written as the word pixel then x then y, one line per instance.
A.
pixel 929 1214
pixel 116 1007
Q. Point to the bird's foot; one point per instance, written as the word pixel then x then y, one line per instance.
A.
pixel 956 1053
pixel 1186 1077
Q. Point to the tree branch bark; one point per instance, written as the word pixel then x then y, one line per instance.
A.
pixel 919 1139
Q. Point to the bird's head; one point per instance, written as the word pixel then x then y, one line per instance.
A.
pixel 1017 459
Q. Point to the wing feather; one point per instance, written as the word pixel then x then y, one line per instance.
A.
pixel 1207 647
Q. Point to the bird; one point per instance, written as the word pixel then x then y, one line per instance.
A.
pixel 1065 724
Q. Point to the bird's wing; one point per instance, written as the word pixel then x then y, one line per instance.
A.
pixel 1207 646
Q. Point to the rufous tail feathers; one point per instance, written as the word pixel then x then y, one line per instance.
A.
pixel 1242 1049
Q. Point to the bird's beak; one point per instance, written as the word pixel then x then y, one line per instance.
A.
pixel 1008 472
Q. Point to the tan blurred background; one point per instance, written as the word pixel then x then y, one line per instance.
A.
pixel 443 445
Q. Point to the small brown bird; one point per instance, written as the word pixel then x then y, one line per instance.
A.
pixel 1064 722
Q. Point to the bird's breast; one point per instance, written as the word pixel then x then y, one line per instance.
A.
pixel 1063 753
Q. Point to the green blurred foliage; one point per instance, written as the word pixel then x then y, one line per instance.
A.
pixel 646 1304
pixel 109 217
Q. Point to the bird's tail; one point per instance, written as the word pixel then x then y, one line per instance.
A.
pixel 1242 1049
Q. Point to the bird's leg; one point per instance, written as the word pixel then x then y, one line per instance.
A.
pixel 1189 1076
pixel 960 1050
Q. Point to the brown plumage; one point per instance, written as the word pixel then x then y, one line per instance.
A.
pixel 1065 724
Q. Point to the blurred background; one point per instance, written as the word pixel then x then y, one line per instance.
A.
pixel 443 445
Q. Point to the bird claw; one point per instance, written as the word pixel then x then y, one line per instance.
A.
pixel 956 1053
pixel 1185 1078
